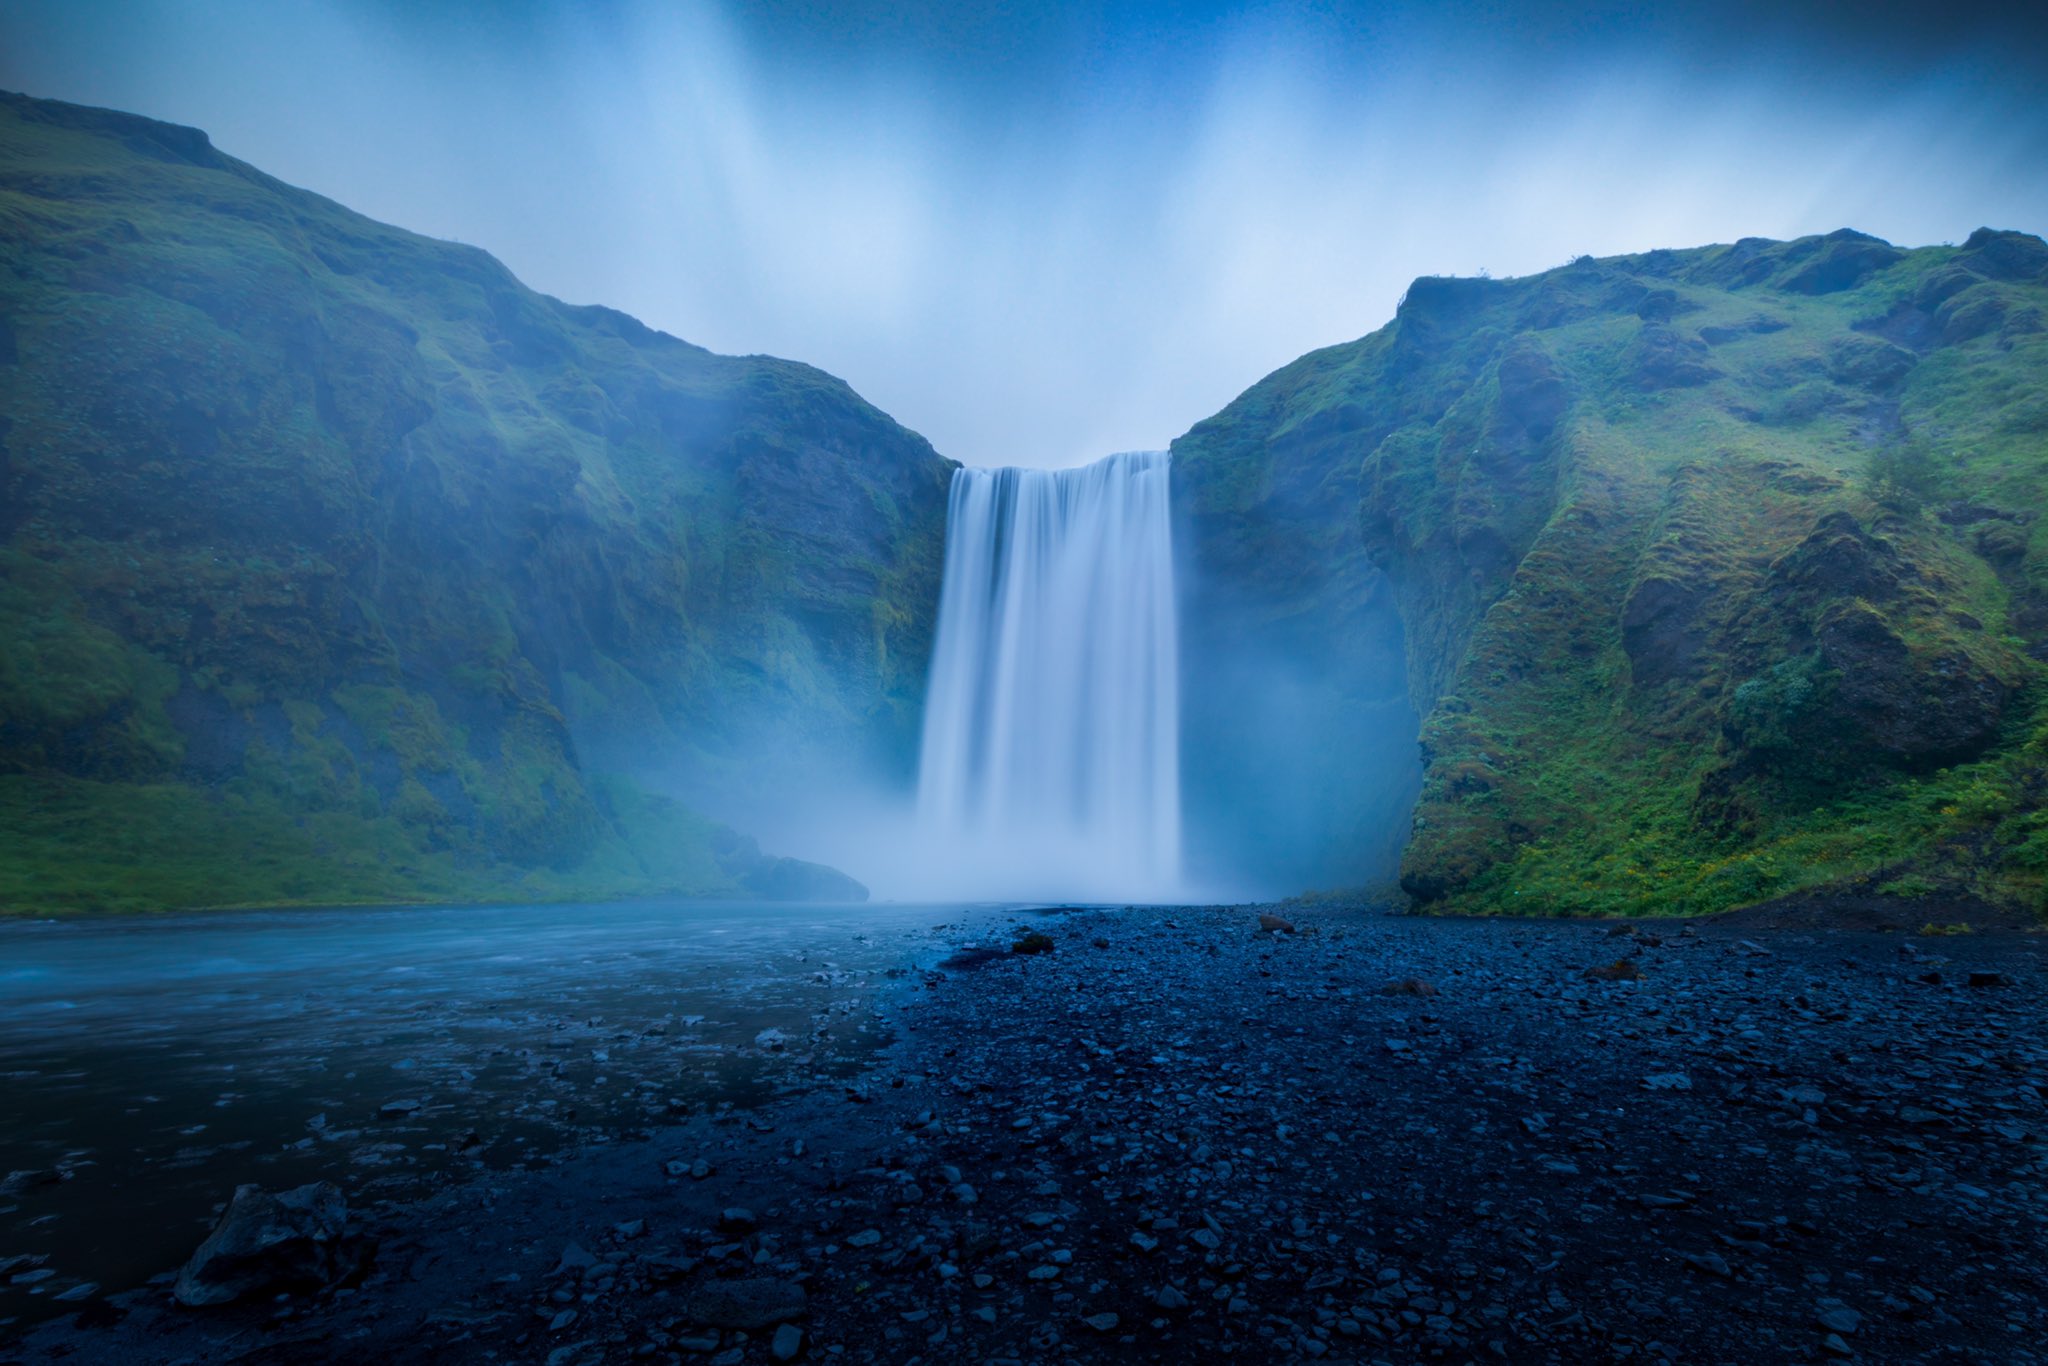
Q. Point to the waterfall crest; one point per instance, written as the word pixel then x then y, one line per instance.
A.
pixel 1051 764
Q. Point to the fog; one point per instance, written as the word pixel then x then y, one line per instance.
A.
pixel 1039 238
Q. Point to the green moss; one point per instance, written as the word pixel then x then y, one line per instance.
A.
pixel 374 555
pixel 1717 567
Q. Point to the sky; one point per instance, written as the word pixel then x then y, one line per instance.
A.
pixel 1039 234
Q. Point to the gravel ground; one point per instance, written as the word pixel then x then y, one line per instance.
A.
pixel 1174 1136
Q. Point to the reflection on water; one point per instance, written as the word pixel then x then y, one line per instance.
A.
pixel 151 1065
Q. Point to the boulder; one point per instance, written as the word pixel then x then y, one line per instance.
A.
pixel 264 1244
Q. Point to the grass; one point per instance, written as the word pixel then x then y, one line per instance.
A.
pixel 335 564
pixel 1655 677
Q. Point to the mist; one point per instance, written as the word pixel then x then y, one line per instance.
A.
pixel 1040 239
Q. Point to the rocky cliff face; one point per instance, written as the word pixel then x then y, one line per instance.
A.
pixel 335 563
pixel 1719 569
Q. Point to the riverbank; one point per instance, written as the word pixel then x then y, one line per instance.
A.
pixel 1176 1137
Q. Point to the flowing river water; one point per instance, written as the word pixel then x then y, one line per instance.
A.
pixel 151 1065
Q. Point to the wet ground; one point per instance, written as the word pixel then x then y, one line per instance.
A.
pixel 151 1065
pixel 1175 1137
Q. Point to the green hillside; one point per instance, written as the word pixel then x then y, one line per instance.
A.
pixel 337 565
pixel 1720 571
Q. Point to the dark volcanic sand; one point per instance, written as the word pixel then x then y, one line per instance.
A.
pixel 1173 1138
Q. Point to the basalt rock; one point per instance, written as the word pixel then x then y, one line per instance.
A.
pixel 297 1240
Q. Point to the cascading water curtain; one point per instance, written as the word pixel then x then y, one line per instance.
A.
pixel 1051 762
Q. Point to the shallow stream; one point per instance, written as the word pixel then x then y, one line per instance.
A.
pixel 151 1065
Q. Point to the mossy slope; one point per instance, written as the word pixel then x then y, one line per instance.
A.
pixel 335 564
pixel 1721 570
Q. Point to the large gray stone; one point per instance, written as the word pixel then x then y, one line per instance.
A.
pixel 264 1243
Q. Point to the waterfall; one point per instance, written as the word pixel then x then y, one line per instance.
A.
pixel 1051 763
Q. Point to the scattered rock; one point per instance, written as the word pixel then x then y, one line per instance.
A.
pixel 745 1305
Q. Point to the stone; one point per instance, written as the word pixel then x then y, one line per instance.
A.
pixel 747 1305
pixel 575 1261
pixel 268 1244
pixel 1102 1323
pixel 1273 924
pixel 1708 1263
pixel 788 1342
pixel 1837 1317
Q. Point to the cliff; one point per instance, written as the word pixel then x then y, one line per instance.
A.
pixel 336 564
pixel 1718 572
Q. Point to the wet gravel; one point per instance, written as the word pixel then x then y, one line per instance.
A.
pixel 1174 1136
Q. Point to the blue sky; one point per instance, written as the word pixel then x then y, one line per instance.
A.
pixel 1039 234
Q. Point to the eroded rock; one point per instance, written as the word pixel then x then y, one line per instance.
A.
pixel 295 1240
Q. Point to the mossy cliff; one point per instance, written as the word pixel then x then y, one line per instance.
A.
pixel 335 564
pixel 1721 571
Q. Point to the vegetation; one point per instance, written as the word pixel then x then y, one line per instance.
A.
pixel 1719 569
pixel 337 565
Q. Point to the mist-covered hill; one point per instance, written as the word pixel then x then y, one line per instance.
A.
pixel 335 564
pixel 1720 571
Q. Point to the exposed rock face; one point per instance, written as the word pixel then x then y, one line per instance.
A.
pixel 1916 711
pixel 1712 566
pixel 335 563
pixel 296 1240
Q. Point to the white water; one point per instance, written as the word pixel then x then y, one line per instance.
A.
pixel 1051 764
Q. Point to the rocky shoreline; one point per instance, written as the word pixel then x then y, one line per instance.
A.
pixel 1174 1135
